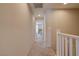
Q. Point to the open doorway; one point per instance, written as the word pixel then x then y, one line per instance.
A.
pixel 40 31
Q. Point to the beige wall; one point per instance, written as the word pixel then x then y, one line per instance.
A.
pixel 66 21
pixel 15 29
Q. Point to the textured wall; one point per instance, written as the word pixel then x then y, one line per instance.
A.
pixel 66 21
pixel 15 29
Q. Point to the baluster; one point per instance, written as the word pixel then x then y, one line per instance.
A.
pixel 62 43
pixel 58 44
pixel 70 46
pixel 77 47
pixel 66 46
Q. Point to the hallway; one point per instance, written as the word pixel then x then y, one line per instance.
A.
pixel 31 29
pixel 37 50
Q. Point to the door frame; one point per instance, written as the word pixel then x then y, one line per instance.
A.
pixel 34 33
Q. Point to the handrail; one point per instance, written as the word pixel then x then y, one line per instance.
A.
pixel 65 41
pixel 69 35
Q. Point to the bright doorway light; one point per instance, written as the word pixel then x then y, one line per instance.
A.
pixel 39 15
pixel 65 3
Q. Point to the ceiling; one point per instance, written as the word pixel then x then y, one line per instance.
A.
pixel 41 9
pixel 55 5
pixel 61 5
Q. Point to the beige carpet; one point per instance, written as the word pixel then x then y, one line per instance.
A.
pixel 37 50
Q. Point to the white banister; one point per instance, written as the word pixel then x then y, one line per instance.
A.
pixel 62 45
pixel 70 46
pixel 58 46
pixel 77 47
pixel 65 44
